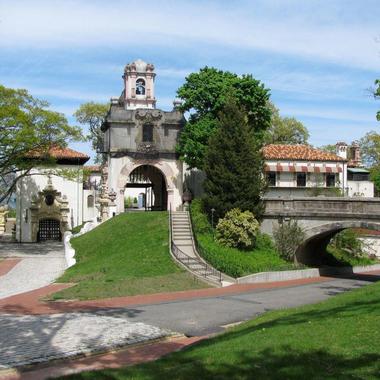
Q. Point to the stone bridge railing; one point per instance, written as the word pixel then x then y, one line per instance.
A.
pixel 322 207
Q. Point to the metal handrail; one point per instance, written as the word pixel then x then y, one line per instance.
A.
pixel 205 269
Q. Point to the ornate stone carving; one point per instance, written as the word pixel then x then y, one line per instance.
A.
pixel 49 204
pixel 103 202
pixel 148 116
pixel 3 214
pixel 147 148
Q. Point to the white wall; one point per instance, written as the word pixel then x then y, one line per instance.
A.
pixel 89 213
pixel 371 245
pixel 29 186
pixel 360 189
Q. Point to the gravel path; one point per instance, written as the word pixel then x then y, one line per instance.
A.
pixel 33 339
pixel 41 264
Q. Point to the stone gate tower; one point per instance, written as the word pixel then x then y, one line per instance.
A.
pixel 140 141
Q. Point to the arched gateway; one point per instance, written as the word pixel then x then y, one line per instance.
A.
pixel 140 140
pixel 149 183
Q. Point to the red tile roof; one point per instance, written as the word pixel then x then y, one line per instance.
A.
pixel 93 168
pixel 298 152
pixel 62 154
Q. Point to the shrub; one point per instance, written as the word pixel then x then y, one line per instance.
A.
pixel 237 229
pixel 348 240
pixel 233 261
pixel 128 202
pixel 201 224
pixel 288 236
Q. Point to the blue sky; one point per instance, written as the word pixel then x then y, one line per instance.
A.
pixel 318 57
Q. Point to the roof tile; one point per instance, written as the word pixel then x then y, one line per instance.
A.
pixel 298 152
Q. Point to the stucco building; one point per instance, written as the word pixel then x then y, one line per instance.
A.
pixel 49 202
pixel 140 140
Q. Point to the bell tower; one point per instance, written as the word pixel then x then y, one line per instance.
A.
pixel 139 85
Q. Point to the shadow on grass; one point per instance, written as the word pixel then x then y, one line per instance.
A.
pixel 285 363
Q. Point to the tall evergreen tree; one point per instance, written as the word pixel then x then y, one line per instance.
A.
pixel 234 165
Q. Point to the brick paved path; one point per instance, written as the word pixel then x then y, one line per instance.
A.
pixel 39 266
pixel 34 339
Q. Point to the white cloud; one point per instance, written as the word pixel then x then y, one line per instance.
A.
pixel 314 32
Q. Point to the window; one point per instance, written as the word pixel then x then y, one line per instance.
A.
pixel 140 87
pixel 271 178
pixel 90 201
pixel 301 179
pixel 357 176
pixel 330 180
pixel 147 133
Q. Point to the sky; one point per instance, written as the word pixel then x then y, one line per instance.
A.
pixel 319 58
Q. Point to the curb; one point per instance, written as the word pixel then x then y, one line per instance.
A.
pixel 300 274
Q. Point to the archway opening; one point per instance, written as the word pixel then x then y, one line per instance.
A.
pixel 146 189
pixel 313 251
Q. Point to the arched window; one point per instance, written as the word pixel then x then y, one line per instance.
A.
pixel 140 87
pixel 90 201
pixel 147 133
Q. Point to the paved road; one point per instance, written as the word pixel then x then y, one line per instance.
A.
pixel 208 315
pixel 41 264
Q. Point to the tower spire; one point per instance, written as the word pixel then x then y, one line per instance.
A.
pixel 139 85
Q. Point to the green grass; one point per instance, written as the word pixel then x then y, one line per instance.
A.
pixel 232 261
pixel 336 339
pixel 77 229
pixel 340 257
pixel 127 255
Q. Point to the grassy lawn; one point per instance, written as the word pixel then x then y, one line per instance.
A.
pixel 232 261
pixel 336 339
pixel 127 255
pixel 341 258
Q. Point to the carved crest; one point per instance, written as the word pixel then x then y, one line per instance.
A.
pixel 148 115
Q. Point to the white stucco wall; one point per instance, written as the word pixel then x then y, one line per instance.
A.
pixel 372 245
pixel 289 179
pixel 360 189
pixel 89 213
pixel 29 186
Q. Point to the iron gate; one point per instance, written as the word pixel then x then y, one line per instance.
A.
pixel 49 229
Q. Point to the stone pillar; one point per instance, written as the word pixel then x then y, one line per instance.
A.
pixel 3 213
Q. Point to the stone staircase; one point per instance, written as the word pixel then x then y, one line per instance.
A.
pixel 184 251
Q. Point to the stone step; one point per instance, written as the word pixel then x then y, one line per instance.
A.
pixel 183 243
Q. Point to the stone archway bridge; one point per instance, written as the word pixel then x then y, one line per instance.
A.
pixel 320 218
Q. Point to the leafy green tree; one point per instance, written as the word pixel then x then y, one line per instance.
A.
pixel 285 130
pixel 329 148
pixel 287 237
pixel 370 149
pixel 233 165
pixel 204 95
pixel 377 95
pixel 27 125
pixel 93 115
pixel 370 154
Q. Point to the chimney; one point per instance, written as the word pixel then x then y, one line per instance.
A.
pixel 341 150
pixel 355 158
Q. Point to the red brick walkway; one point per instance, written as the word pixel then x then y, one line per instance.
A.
pixel 30 303
pixel 129 356
pixel 7 264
